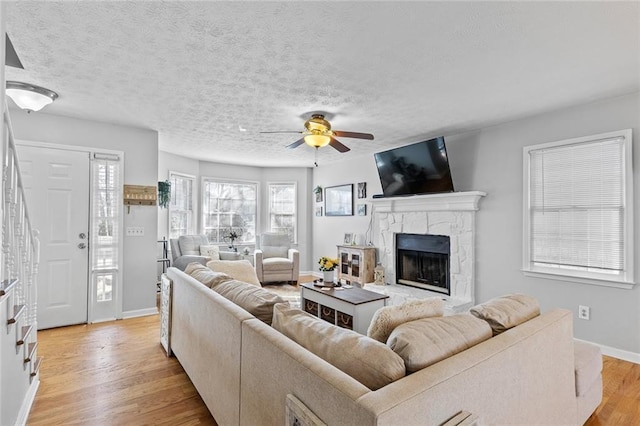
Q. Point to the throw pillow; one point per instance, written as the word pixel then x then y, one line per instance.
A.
pixel 241 270
pixel 426 341
pixel 503 313
pixel 368 361
pixel 210 251
pixel 387 318
pixel 205 275
pixel 255 300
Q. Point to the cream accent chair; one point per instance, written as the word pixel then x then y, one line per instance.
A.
pixel 186 249
pixel 275 260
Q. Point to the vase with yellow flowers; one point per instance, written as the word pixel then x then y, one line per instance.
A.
pixel 327 266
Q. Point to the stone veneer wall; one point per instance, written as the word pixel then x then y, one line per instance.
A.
pixel 436 215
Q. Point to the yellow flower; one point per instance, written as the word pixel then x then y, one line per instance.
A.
pixel 327 263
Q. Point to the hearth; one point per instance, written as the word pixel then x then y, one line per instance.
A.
pixel 422 260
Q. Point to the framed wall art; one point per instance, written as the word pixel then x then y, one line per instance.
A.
pixel 362 189
pixel 338 200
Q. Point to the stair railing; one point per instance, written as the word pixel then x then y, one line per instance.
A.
pixel 20 245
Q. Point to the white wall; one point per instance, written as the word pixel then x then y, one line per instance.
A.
pixel 301 175
pixel 141 168
pixel 490 160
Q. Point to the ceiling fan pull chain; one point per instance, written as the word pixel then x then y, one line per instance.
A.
pixel 315 161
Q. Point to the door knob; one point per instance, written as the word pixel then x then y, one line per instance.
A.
pixel 82 235
pixel 82 245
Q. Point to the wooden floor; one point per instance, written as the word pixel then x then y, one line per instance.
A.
pixel 113 373
pixel 621 395
pixel 117 373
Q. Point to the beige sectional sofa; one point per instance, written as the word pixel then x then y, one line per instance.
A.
pixel 244 369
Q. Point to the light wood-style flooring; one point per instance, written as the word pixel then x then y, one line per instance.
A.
pixel 117 373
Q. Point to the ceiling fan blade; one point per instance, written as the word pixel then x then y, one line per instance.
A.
pixel 338 145
pixel 355 135
pixel 284 131
pixel 295 144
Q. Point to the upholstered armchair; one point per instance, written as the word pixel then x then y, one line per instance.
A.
pixel 275 260
pixel 186 249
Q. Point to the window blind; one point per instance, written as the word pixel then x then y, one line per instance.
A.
pixel 106 209
pixel 181 205
pixel 577 206
pixel 282 209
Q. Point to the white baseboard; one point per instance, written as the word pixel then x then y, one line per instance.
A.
pixel 25 409
pixel 139 313
pixel 616 353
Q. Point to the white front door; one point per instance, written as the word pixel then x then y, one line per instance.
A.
pixel 56 186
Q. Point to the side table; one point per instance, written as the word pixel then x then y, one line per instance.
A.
pixel 166 294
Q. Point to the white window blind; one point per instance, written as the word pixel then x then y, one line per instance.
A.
pixel 282 209
pixel 181 205
pixel 229 207
pixel 578 214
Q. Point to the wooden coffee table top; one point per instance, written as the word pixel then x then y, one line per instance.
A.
pixel 353 295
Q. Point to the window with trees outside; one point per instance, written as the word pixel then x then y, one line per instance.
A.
pixel 282 209
pixel 229 208
pixel 578 210
pixel 181 217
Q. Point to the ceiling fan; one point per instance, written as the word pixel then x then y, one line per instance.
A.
pixel 318 133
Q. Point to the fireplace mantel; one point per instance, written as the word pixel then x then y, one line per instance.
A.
pixel 451 214
pixel 449 201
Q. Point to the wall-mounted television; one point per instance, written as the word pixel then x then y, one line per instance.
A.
pixel 419 168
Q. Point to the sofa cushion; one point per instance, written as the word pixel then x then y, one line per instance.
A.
pixel 426 341
pixel 210 251
pixel 389 317
pixel 255 300
pixel 277 264
pixel 241 270
pixel 190 244
pixel 205 275
pixel 368 361
pixel 275 251
pixel 503 313
pixel 588 366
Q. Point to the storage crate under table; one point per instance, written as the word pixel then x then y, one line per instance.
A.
pixel 350 308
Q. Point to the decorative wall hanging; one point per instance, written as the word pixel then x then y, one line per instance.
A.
pixel 362 189
pixel 338 200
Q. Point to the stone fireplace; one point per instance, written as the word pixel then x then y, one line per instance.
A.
pixel 451 215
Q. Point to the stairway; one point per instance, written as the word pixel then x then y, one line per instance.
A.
pixel 19 360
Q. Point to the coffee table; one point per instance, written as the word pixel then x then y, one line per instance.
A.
pixel 350 308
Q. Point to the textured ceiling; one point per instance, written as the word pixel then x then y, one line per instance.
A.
pixel 199 72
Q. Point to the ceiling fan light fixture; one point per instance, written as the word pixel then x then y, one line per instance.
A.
pixel 317 141
pixel 29 96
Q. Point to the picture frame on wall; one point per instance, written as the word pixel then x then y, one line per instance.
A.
pixel 348 239
pixel 362 189
pixel 338 200
pixel 361 210
pixel 319 211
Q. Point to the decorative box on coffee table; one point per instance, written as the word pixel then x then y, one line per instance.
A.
pixel 350 308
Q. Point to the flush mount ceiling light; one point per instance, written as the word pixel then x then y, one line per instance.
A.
pixel 29 96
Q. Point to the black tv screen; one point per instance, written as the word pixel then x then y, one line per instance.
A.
pixel 419 168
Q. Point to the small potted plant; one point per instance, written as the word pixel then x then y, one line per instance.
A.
pixel 327 266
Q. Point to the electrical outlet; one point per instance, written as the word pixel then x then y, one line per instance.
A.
pixel 135 231
pixel 584 312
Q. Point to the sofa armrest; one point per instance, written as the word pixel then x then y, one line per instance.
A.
pixel 294 255
pixel 182 262
pixel 257 261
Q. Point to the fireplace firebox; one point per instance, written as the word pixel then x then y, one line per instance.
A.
pixel 422 261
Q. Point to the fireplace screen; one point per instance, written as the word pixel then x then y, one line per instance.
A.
pixel 423 261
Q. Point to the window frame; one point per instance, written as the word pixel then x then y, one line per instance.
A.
pixel 203 183
pixel 295 207
pixel 624 280
pixel 192 227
